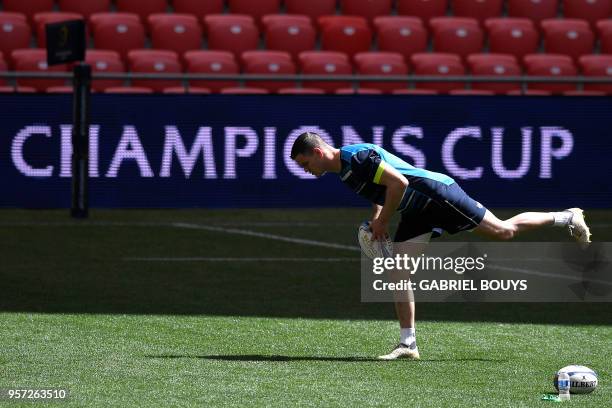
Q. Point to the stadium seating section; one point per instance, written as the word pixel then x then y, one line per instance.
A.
pixel 319 37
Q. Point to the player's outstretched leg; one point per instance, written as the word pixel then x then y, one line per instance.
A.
pixel 572 218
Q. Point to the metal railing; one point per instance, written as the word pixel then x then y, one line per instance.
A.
pixel 304 79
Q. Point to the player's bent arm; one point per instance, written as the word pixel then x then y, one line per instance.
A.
pixel 396 184
pixel 376 210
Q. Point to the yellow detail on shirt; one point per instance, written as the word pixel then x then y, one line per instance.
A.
pixel 379 172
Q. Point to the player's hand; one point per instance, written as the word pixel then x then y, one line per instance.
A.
pixel 380 229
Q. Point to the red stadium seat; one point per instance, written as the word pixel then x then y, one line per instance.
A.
pixel 103 61
pixel 135 55
pixel 59 89
pixel 198 8
pixel 325 63
pixel 11 16
pixel 293 34
pixel 425 9
pixel 589 10
pixel 98 18
pixel 342 21
pixel 584 93
pixel 244 91
pixel 478 9
pixel 255 8
pixel 475 60
pixel 415 92
pixel 550 65
pixel 312 8
pixel 597 65
pixel 301 91
pixel 149 54
pixel 183 90
pixel 42 19
pixel 95 55
pixel 436 58
pixel 323 56
pixel 19 89
pixel 471 92
pixel 3 67
pixel 211 62
pixel 209 56
pixel 286 19
pixel 546 59
pixel 459 35
pixel 516 36
pixel 128 90
pixel 224 19
pixel 536 10
pixel 177 32
pixel 258 56
pixel 441 64
pixel 366 8
pixel 604 28
pixel 120 34
pixel 268 63
pixel 154 61
pixel 15 33
pixel 85 7
pixel 35 59
pixel 381 64
pixel 346 34
pixel 405 35
pixel 235 33
pixel 529 92
pixel 494 65
pixel 358 91
pixel 28 7
pixel 568 36
pixel 142 7
pixel 377 56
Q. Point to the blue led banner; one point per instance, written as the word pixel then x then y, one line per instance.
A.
pixel 233 151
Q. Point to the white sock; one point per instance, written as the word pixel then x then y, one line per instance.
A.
pixel 562 218
pixel 407 336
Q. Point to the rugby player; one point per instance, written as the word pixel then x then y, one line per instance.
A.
pixel 428 202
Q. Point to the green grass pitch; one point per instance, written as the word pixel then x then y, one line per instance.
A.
pixel 84 305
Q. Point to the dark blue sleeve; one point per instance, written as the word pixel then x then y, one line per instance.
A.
pixel 364 164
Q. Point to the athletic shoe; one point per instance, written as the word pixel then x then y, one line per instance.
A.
pixel 402 351
pixel 577 227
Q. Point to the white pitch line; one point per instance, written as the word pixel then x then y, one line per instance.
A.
pixel 282 224
pixel 237 259
pixel 250 233
pixel 234 231
pixel 85 223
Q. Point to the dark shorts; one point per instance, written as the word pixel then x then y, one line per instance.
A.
pixel 452 211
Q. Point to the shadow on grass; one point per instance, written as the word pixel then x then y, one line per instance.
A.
pixel 272 358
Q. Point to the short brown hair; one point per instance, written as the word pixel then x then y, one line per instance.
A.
pixel 305 144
